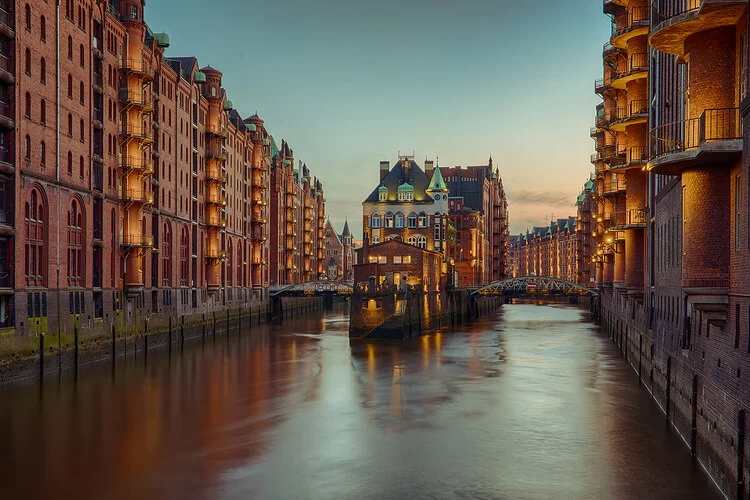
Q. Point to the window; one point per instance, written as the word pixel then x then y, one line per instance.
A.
pixel 70 47
pixel 43 28
pixel 388 220
pixel 399 220
pixel 69 9
pixel 70 87
pixel 82 56
pixel 407 259
pixel 422 220
pixel 375 240
pixel 27 148
pixel 81 97
pixel 133 12
pixel 375 220
pixel 75 243
pixel 397 259
pixel 27 62
pixel 43 70
pixel 70 125
pixel 412 221
pixel 422 242
pixel 42 153
pixel 27 105
pixel 80 167
pixel 83 131
pixel 184 258
pixel 34 251
pixel 70 163
pixel 27 11
pixel 382 195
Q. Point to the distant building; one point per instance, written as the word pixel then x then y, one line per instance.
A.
pixel 340 255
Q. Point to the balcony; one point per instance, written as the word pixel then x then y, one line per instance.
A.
pixel 610 51
pixel 6 24
pixel 6 117
pixel 612 6
pixel 714 137
pixel 257 218
pixel 634 22
pixel 98 81
pixel 216 131
pixel 137 240
pixel 6 222
pixel 140 165
pixel 216 153
pixel 98 179
pixel 630 219
pixel 6 161
pixel 215 198
pixel 614 186
pixel 637 68
pixel 676 20
pixel 256 234
pixel 602 85
pixel 214 254
pixel 6 70
pixel 136 132
pixel 216 221
pixel 138 66
pixel 634 113
pixel 137 196
pixel 139 99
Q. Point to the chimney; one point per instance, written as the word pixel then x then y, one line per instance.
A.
pixel 385 167
pixel 429 166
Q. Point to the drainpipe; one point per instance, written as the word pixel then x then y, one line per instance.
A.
pixel 57 156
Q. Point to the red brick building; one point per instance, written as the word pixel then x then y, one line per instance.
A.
pixel 396 264
pixel 340 253
pixel 673 251
pixel 149 196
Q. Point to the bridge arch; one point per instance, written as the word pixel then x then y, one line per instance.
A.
pixel 311 288
pixel 534 285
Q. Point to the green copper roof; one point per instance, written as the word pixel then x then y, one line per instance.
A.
pixel 251 127
pixel 162 39
pixel 287 163
pixel 228 105
pixel 403 187
pixel 590 185
pixel 437 183
pixel 382 189
pixel 274 148
pixel 200 77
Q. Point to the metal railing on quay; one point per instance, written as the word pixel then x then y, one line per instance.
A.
pixel 711 126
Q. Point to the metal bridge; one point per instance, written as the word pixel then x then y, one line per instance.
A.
pixel 534 286
pixel 309 288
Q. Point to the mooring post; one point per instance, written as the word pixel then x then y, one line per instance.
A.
pixel 170 336
pixel 182 336
pixel 114 349
pixel 203 328
pixel 145 339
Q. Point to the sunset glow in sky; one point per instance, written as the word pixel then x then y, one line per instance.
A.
pixel 351 83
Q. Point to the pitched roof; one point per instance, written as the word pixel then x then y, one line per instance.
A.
pixel 346 232
pixel 398 175
pixel 437 183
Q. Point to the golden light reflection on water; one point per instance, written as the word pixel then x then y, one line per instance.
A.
pixel 398 391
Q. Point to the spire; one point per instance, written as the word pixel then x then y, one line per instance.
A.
pixel 437 183
pixel 346 231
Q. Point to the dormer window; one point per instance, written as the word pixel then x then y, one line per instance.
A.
pixel 382 196
pixel 406 192
pixel 133 12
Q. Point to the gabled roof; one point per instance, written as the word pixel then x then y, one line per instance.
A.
pixel 185 65
pixel 397 176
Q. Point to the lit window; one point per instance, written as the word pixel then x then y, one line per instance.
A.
pixel 397 259
pixel 412 221
pixel 375 220
pixel 407 259
pixel 389 220
pixel 399 220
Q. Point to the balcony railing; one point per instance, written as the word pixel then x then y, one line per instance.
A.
pixel 137 240
pixel 135 64
pixel 135 131
pixel 614 185
pixel 6 19
pixel 217 222
pixel 612 155
pixel 713 125
pixel 216 198
pixel 635 109
pixel 666 9
pixel 639 62
pixel 216 174
pixel 637 17
pixel 6 63
pixel 216 152
pixel 134 97
pixel 637 154
pixel 637 216
pixel 137 196
pixel 142 165
pixel 216 254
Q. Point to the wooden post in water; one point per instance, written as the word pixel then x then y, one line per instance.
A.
pixel 182 335
pixel 41 358
pixel 114 349
pixel 170 336
pixel 75 351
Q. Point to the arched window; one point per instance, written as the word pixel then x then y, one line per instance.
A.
pixel 43 28
pixel 75 244
pixel 375 240
pixel 27 11
pixel 27 105
pixel 70 163
pixel 43 112
pixel 422 219
pixel 83 130
pixel 399 220
pixel 412 221
pixel 34 250
pixel 229 268
pixel 70 47
pixel 81 92
pixel 375 220
pixel 27 148
pixel 27 62
pixel 184 258
pixel 113 245
pixel 70 86
pixel 133 12
pixel 412 240
pixel 166 256
pixel 388 220
pixel 70 125
pixel 422 242
pixel 80 167
pixel 43 70
pixel 82 57
pixel 42 153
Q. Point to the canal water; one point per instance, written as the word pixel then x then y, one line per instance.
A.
pixel 530 402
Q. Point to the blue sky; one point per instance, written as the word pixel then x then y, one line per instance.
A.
pixel 351 83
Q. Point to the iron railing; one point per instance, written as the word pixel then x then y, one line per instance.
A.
pixel 614 185
pixel 637 154
pixel 138 98
pixel 712 125
pixel 663 10
pixel 138 196
pixel 137 240
pixel 636 17
pixel 137 131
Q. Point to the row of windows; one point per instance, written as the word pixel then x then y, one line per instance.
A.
pixel 383 259
pixel 417 241
pixel 398 220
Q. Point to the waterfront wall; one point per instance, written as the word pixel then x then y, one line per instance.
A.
pixel 79 346
pixel 690 384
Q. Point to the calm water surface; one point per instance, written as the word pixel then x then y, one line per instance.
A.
pixel 532 402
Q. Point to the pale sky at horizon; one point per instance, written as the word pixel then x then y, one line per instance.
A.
pixel 350 84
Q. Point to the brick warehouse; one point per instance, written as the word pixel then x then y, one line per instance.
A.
pixel 140 191
pixel 673 236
